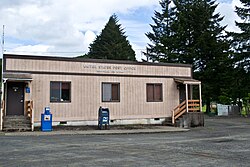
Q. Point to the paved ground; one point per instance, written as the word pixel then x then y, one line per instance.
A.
pixel 222 142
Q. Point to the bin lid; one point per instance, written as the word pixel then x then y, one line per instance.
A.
pixel 47 110
pixel 105 112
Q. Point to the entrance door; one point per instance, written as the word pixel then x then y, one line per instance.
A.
pixel 182 93
pixel 15 98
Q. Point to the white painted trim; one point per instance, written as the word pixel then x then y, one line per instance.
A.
pixel 200 98
pixel 186 96
pixel 17 79
pixel 192 82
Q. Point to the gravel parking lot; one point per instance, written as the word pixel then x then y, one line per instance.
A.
pixel 222 142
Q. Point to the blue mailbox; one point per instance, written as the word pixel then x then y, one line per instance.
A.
pixel 46 120
pixel 103 118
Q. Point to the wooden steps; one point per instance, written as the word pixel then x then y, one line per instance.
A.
pixel 16 123
pixel 184 107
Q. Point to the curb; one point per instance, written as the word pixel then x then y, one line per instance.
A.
pixel 97 132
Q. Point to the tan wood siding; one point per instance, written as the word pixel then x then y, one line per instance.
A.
pixel 86 89
pixel 86 98
pixel 94 68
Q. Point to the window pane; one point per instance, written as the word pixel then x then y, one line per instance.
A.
pixel 150 92
pixel 65 92
pixel 59 91
pixel 158 92
pixel 115 92
pixel 54 91
pixel 106 92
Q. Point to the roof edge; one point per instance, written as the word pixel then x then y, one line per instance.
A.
pixel 189 81
pixel 78 59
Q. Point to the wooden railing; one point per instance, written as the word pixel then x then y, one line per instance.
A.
pixel 29 108
pixel 193 106
pixel 30 113
pixel 178 111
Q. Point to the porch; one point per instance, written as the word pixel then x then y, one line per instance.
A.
pixel 17 104
pixel 187 103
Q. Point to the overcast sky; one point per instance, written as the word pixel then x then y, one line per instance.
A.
pixel 67 27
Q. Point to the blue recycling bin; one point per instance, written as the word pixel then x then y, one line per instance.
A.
pixel 103 118
pixel 46 120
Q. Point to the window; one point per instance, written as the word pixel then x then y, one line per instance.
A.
pixel 154 92
pixel 60 91
pixel 110 92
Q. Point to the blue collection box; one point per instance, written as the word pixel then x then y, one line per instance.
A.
pixel 46 120
pixel 103 118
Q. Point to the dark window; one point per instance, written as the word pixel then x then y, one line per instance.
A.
pixel 110 92
pixel 60 91
pixel 154 92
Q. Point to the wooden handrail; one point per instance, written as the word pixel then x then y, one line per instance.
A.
pixel 178 111
pixel 29 108
pixel 195 101
pixel 194 109
pixel 184 102
pixel 193 105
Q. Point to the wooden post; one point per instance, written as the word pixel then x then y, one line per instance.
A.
pixel 32 116
pixel 200 97
pixel 173 120
pixel 1 115
pixel 3 103
pixel 186 97
pixel 32 106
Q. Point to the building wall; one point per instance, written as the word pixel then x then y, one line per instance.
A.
pixel 86 80
pixel 86 98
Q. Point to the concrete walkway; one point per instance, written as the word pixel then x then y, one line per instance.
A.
pixel 157 129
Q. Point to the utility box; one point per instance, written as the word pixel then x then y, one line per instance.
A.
pixel 103 118
pixel 46 120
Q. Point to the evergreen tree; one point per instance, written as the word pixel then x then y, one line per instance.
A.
pixel 242 39
pixel 162 37
pixel 241 54
pixel 196 38
pixel 112 43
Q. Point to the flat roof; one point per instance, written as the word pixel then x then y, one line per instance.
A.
pixel 17 76
pixel 81 59
pixel 189 81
